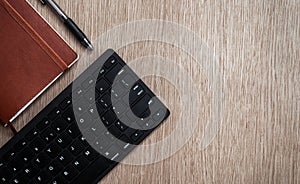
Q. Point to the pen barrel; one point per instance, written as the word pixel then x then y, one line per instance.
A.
pixel 75 30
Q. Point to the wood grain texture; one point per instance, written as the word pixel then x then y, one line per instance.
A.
pixel 257 46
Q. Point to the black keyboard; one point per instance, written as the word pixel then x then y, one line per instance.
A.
pixel 86 130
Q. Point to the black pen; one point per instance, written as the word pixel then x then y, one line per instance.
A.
pixel 69 23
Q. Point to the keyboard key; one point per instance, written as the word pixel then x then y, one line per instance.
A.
pixel 105 101
pixel 129 118
pixel 110 76
pixel 113 152
pixel 88 137
pixel 136 135
pixel 63 140
pixel 84 120
pixel 123 72
pixel 102 143
pixel 65 157
pixel 73 131
pixel 128 81
pixel 90 95
pixel 5 174
pixel 58 180
pixel 121 126
pixel 20 145
pixel 110 63
pixel 70 173
pixel 99 73
pixel 43 177
pixel 108 118
pixel 100 109
pixel 30 170
pixel 43 124
pixel 109 136
pixel 115 131
pixel 20 178
pixel 65 103
pixel 124 143
pixel 42 160
pixel 90 154
pixel 16 165
pixel 102 86
pixel 54 168
pixel 80 163
pixel 59 125
pixel 27 155
pixel 68 115
pixel 54 113
pixel 145 124
pixel 2 164
pixel 32 134
pixel 148 124
pixel 10 155
pixel 81 106
pixel 88 82
pixel 119 108
pixel 141 106
pixel 48 135
pixel 53 150
pixel 37 145
pixel 95 130
pixel 83 141
pixel 76 147
pixel 158 115
pixel 136 92
pixel 77 93
pixel 93 112
pixel 117 91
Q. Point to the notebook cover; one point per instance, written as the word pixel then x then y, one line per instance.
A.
pixel 32 56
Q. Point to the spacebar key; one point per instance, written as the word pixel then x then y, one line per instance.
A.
pixel 97 168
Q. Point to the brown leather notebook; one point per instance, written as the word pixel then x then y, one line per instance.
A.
pixel 32 57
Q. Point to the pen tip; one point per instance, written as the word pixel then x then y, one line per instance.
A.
pixel 90 46
pixel 87 44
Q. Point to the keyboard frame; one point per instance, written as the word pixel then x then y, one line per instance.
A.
pixel 62 95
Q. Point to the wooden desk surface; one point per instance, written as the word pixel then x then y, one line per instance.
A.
pixel 257 46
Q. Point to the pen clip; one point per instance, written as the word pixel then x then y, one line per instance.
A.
pixel 43 2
